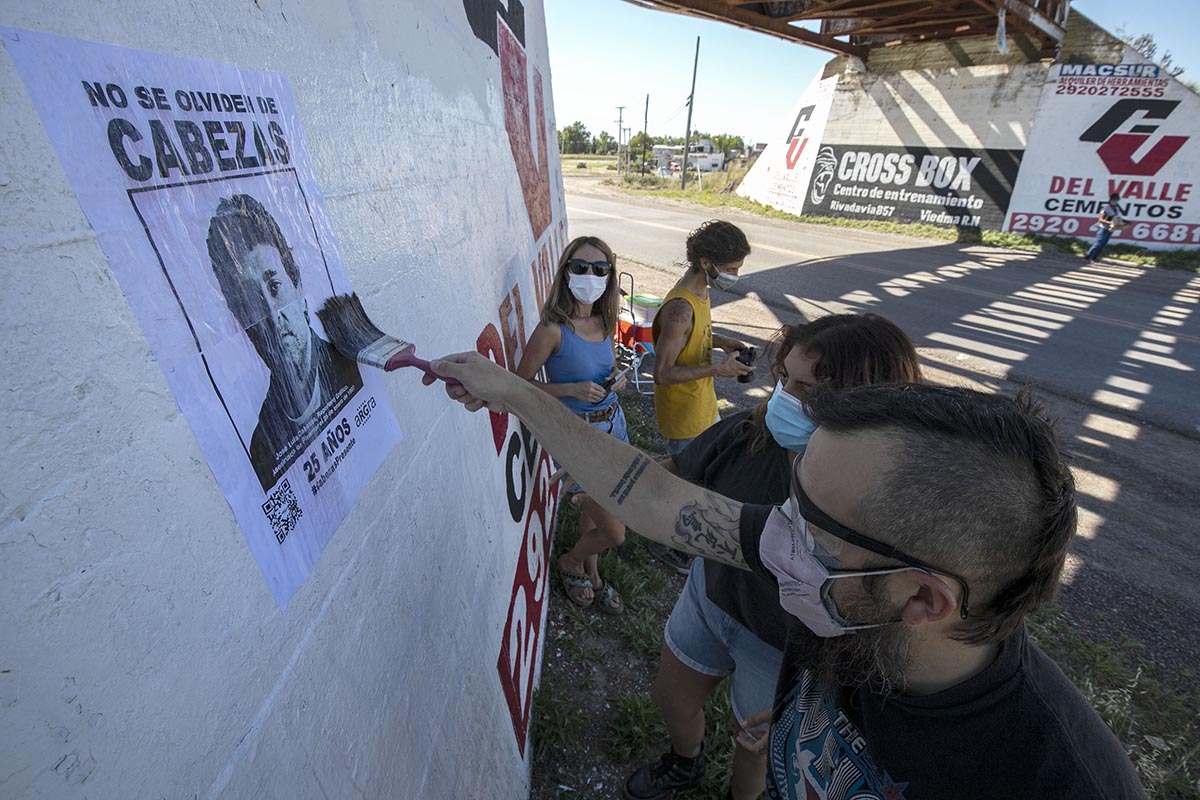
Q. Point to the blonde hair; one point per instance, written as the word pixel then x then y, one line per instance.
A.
pixel 560 303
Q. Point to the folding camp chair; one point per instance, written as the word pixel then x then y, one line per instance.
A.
pixel 634 341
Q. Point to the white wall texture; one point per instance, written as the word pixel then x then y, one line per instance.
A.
pixel 990 106
pixel 142 654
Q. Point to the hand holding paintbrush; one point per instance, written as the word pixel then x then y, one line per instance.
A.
pixel 355 336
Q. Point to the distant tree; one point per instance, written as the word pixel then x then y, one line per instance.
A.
pixel 1144 43
pixel 635 144
pixel 605 144
pixel 574 138
pixel 725 142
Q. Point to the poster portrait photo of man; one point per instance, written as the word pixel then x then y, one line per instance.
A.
pixel 261 285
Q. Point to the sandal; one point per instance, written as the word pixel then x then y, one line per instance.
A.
pixel 609 599
pixel 577 587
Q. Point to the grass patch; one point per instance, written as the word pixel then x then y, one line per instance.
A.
pixel 641 427
pixel 637 736
pixel 1158 726
pixel 719 194
pixel 558 723
pixel 587 164
pixel 635 730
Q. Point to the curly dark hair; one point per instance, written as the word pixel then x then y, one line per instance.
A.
pixel 719 241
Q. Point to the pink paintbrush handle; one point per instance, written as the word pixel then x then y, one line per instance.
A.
pixel 408 358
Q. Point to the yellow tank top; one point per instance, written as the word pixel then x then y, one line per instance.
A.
pixel 685 410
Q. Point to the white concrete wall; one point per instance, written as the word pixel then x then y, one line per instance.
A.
pixel 143 655
pixel 990 106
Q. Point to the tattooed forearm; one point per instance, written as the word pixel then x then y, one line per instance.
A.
pixel 710 528
pixel 623 487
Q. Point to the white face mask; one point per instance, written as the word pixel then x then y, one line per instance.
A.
pixel 587 288
pixel 722 280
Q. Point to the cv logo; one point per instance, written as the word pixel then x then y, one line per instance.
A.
pixel 1117 146
pixel 796 144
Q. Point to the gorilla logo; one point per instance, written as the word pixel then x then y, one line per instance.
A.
pixel 823 170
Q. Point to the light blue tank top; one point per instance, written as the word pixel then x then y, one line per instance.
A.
pixel 577 360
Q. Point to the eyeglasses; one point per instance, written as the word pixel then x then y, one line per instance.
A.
pixel 577 266
pixel 815 516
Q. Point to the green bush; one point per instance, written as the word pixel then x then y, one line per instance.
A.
pixel 633 180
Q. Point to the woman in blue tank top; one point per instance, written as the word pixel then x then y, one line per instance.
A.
pixel 574 342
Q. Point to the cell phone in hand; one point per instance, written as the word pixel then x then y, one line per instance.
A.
pixel 609 382
pixel 747 357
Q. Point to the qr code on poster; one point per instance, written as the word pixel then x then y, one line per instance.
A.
pixel 282 510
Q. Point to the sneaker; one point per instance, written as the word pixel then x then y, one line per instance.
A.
pixel 676 560
pixel 664 777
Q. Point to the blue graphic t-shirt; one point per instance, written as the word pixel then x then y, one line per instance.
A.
pixel 1018 729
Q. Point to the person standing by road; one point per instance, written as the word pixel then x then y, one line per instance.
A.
pixel 685 400
pixel 728 621
pixel 1108 221
pixel 574 342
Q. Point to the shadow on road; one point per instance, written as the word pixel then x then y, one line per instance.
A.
pixel 1113 349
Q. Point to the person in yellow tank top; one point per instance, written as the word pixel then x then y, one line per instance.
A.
pixel 685 400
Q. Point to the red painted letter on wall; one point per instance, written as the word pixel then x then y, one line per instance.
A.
pixel 534 175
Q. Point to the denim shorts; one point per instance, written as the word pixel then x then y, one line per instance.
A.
pixel 615 426
pixel 711 642
pixel 677 446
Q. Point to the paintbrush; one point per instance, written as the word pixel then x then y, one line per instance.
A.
pixel 355 336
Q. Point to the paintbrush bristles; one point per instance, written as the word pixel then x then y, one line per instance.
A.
pixel 354 335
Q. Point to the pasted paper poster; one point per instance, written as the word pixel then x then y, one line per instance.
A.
pixel 197 181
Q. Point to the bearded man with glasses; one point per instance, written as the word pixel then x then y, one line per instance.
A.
pixel 924 525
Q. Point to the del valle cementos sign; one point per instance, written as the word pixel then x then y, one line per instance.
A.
pixel 1112 128
pixel 939 186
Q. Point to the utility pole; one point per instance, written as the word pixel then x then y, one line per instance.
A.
pixel 627 141
pixel 620 117
pixel 687 139
pixel 645 125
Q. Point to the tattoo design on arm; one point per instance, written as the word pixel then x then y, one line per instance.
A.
pixel 710 528
pixel 623 487
pixel 679 311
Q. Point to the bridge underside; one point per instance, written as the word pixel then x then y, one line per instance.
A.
pixel 854 27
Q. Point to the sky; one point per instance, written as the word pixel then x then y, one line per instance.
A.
pixel 609 53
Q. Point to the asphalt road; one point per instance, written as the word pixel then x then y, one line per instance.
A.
pixel 1114 350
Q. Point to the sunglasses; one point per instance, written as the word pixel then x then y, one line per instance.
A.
pixel 577 266
pixel 815 516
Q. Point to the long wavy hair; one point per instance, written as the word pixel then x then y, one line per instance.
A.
pixel 850 350
pixel 560 304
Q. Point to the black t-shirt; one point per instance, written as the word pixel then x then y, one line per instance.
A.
pixel 720 459
pixel 1018 730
